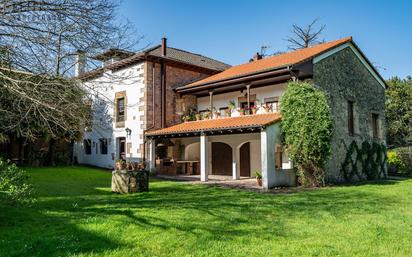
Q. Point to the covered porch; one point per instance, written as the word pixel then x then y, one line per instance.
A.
pixel 232 148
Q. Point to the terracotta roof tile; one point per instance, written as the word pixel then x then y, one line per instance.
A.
pixel 247 121
pixel 276 61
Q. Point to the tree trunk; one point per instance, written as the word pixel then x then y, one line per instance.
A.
pixel 50 160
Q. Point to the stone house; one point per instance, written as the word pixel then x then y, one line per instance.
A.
pixel 240 132
pixel 132 93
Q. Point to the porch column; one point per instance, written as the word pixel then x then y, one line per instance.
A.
pixel 152 154
pixel 248 97
pixel 204 158
pixel 235 171
pixel 267 149
pixel 211 104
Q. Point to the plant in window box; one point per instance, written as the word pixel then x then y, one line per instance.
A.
pixel 228 112
pixel 266 108
pixel 241 111
pixel 231 105
pixel 206 115
pixel 258 176
pixel 198 116
pixel 253 109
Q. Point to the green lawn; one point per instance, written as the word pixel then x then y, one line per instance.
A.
pixel 77 215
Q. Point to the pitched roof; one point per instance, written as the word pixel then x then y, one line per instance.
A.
pixel 277 61
pixel 189 58
pixel 172 54
pixel 230 123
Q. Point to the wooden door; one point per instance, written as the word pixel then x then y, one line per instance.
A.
pixel 245 160
pixel 221 159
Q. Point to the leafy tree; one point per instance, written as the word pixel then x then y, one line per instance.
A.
pixel 399 112
pixel 307 129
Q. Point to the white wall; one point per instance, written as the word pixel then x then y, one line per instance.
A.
pixel 104 89
pixel 235 141
pixel 222 100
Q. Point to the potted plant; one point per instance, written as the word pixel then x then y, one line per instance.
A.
pixel 254 110
pixel 217 115
pixel 258 176
pixel 206 115
pixel 228 112
pixel 266 108
pixel 231 105
pixel 120 164
pixel 198 116
pixel 241 111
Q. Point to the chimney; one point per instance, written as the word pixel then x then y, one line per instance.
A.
pixel 80 63
pixel 257 56
pixel 164 46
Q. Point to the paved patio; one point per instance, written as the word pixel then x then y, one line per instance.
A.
pixel 244 183
pixel 217 180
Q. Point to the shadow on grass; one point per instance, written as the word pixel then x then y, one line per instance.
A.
pixel 54 226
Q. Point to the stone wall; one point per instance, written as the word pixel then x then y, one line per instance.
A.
pixel 344 78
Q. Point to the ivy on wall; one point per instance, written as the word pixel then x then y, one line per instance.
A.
pixel 367 161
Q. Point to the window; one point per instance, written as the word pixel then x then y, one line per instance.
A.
pixel 87 143
pixel 120 107
pixel 375 125
pixel 272 103
pixel 103 145
pixel 351 129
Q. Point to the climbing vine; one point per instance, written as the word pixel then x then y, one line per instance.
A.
pixel 364 162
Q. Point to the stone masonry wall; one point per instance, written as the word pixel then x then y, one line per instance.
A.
pixel 344 78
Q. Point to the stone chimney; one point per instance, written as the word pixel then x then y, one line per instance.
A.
pixel 80 63
pixel 257 56
pixel 164 46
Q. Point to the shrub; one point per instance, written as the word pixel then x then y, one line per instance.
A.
pixel 395 162
pixel 307 130
pixel 14 185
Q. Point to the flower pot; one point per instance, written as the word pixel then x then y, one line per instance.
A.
pixel 259 181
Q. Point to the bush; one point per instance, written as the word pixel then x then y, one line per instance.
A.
pixel 307 130
pixel 395 163
pixel 400 161
pixel 14 185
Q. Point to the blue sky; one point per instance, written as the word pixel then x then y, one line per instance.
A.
pixel 232 31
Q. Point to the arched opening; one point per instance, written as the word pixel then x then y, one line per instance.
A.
pixel 192 152
pixel 244 157
pixel 221 159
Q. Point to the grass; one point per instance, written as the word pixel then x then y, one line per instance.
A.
pixel 77 215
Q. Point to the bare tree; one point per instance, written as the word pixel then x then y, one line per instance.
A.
pixel 303 37
pixel 38 44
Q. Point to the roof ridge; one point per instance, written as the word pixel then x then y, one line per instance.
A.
pixel 269 63
pixel 200 55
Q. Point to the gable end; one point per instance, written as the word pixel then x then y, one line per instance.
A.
pixel 358 54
